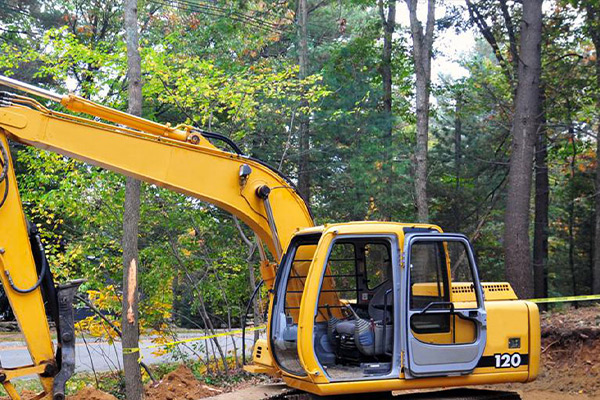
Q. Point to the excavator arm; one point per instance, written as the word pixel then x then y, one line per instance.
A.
pixel 179 158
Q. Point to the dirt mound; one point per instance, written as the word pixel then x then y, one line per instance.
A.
pixel 90 393
pixel 571 351
pixel 179 384
pixel 572 324
pixel 572 367
pixel 25 395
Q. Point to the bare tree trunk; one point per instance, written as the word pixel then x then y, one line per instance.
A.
pixel 256 312
pixel 252 247
pixel 422 44
pixel 457 161
pixel 542 203
pixel 304 126
pixel 389 25
pixel 525 126
pixel 131 217
pixel 592 16
pixel 229 326
pixel 571 210
pixel 596 270
pixel 208 325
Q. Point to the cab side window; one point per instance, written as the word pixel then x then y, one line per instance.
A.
pixel 377 264
pixel 428 274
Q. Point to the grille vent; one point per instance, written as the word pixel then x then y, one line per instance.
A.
pixel 258 351
pixel 496 287
pixel 462 289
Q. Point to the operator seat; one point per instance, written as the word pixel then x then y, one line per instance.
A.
pixel 376 305
pixel 369 336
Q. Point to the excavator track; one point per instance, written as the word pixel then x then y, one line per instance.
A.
pixel 282 392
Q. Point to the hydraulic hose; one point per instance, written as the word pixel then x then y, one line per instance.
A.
pixel 4 172
pixel 40 277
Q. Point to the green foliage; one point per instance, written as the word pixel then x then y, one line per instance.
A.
pixel 241 79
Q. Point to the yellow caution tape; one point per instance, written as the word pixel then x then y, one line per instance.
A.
pixel 566 299
pixel 131 350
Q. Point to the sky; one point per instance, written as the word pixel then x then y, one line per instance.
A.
pixel 449 46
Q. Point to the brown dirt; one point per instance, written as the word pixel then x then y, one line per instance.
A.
pixel 25 395
pixel 90 393
pixel 545 395
pixel 180 384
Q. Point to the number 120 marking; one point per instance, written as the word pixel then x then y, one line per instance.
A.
pixel 507 360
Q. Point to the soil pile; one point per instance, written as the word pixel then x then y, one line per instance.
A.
pixel 25 395
pixel 572 324
pixel 90 393
pixel 571 351
pixel 180 384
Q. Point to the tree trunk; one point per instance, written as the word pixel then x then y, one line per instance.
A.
pixel 201 308
pixel 572 196
pixel 457 204
pixel 131 216
pixel 542 203
pixel 304 125
pixel 524 130
pixel 592 15
pixel 389 24
pixel 596 270
pixel 422 44
pixel 255 310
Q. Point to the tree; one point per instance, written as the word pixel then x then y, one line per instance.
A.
pixel 389 25
pixel 542 204
pixel 131 218
pixel 524 130
pixel 304 132
pixel 421 50
pixel 593 27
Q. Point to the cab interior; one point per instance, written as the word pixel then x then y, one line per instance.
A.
pixel 354 326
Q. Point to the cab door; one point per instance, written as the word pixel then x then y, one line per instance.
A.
pixel 444 312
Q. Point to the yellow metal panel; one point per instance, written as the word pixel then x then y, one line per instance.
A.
pixel 18 260
pixel 309 300
pixel 263 360
pixel 506 319
pixel 535 340
pixel 461 331
pixel 201 171
pixel 463 291
pixel 327 389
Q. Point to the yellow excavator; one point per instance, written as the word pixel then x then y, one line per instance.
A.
pixel 354 307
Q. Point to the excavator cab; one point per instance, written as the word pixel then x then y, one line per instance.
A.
pixel 367 302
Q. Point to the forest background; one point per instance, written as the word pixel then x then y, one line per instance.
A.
pixel 339 96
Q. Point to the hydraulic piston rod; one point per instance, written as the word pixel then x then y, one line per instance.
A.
pixel 25 87
pixel 79 104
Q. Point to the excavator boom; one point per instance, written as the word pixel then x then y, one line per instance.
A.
pixel 179 158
